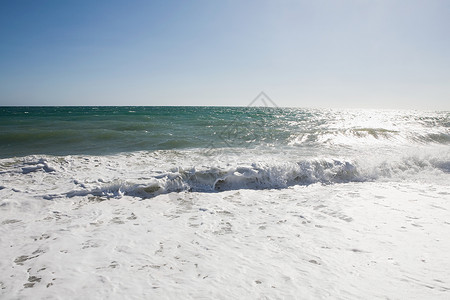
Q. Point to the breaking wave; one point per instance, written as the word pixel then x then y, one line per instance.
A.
pixel 370 135
pixel 259 176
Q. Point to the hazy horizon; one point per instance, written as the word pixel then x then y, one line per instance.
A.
pixel 231 106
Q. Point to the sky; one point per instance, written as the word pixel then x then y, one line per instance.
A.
pixel 351 54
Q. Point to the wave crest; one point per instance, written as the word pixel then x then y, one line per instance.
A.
pixel 139 178
pixel 255 176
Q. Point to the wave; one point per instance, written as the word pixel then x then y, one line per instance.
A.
pixel 258 176
pixel 369 135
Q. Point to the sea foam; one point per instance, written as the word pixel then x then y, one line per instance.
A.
pixel 146 175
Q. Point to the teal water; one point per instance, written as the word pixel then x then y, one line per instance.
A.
pixel 146 151
pixel 108 130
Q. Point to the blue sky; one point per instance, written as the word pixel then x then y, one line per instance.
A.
pixel 362 54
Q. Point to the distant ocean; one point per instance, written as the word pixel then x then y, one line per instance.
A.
pixel 152 150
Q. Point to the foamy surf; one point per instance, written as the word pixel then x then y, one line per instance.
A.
pixel 146 175
pixel 299 242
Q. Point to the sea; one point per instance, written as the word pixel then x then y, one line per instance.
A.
pixel 224 202
pixel 145 151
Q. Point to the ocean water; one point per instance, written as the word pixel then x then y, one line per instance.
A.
pixel 145 151
pixel 224 202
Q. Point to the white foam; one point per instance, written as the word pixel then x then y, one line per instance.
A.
pixel 147 174
pixel 315 241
